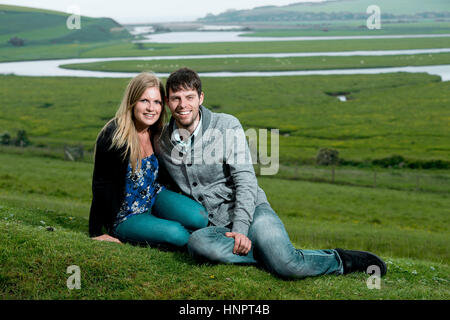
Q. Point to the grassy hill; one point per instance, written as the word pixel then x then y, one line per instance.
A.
pixel 41 27
pixel 44 205
pixel 341 10
pixel 341 17
pixel 44 200
pixel 396 7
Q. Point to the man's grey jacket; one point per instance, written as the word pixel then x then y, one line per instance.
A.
pixel 216 170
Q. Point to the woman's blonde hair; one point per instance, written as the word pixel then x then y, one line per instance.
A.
pixel 125 134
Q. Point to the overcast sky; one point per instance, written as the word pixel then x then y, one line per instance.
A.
pixel 143 11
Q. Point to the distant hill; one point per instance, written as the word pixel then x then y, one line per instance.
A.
pixel 38 26
pixel 335 10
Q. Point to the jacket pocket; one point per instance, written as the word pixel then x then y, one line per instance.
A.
pixel 224 192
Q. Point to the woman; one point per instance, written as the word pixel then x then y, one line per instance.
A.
pixel 128 201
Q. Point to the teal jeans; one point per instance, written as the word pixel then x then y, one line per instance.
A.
pixel 172 219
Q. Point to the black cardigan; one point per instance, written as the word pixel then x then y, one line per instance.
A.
pixel 108 183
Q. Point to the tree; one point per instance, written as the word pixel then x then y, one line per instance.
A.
pixel 5 139
pixel 140 45
pixel 328 157
pixel 22 139
pixel 16 41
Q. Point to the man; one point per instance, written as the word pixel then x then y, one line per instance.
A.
pixel 199 155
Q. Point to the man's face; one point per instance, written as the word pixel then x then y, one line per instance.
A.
pixel 184 105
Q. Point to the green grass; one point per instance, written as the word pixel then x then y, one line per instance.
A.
pixel 389 114
pixel 46 177
pixel 408 229
pixel 387 6
pixel 395 114
pixel 161 49
pixel 378 120
pixel 37 261
pixel 122 48
pixel 5 7
pixel 339 18
pixel 53 51
pixel 436 181
pixel 38 27
pixel 376 219
pixel 393 222
pixel 266 64
pixel 350 28
pixel 295 11
pixel 403 114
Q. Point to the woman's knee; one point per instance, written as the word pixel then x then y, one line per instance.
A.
pixel 197 218
pixel 177 207
pixel 153 231
pixel 176 235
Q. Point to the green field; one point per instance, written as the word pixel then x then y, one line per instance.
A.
pixel 339 18
pixel 395 114
pixel 36 193
pixel 266 64
pixel 344 9
pixel 389 194
pixel 127 49
pixel 38 27
pixel 403 221
pixel 350 28
pixel 388 6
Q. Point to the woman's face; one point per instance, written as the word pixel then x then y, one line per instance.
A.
pixel 147 109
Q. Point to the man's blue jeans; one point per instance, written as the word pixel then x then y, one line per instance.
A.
pixel 271 247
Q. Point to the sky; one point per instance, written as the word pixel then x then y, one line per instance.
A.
pixel 149 11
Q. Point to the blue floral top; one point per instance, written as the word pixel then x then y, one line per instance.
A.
pixel 141 189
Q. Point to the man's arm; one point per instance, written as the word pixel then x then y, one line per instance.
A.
pixel 244 178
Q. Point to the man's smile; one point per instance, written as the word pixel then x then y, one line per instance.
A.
pixel 184 112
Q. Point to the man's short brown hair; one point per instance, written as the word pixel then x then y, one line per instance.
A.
pixel 184 78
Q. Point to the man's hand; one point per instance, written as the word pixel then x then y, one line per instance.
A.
pixel 106 237
pixel 242 244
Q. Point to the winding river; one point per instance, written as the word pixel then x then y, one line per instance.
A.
pixel 52 67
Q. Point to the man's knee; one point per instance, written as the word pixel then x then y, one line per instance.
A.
pixel 200 245
pixel 210 244
pixel 265 214
pixel 272 245
pixel 266 227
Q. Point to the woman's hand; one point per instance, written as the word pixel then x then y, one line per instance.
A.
pixel 106 237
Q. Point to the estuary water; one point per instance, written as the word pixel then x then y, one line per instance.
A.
pixel 52 67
